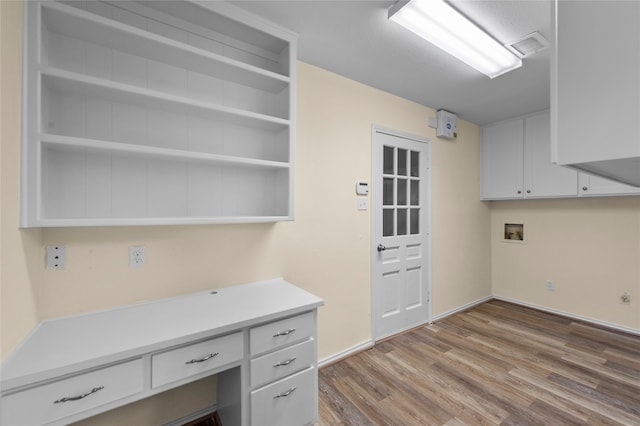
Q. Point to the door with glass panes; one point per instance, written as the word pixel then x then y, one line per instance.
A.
pixel 401 235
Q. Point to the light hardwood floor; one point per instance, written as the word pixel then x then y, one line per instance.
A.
pixel 496 364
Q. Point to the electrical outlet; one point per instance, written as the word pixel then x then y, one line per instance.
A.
pixel 551 286
pixel 625 298
pixel 136 256
pixel 56 257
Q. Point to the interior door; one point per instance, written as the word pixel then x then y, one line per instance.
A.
pixel 401 252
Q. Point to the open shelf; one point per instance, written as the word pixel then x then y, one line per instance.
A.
pixel 78 24
pixel 142 151
pixel 143 113
pixel 71 82
pixel 113 186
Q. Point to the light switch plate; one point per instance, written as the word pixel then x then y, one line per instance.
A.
pixel 363 203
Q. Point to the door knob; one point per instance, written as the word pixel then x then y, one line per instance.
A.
pixel 381 247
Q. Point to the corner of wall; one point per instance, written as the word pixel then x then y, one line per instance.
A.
pixel 19 249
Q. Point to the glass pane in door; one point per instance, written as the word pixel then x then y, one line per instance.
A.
pixel 414 220
pixel 402 162
pixel 387 161
pixel 387 192
pixel 402 192
pixel 402 221
pixel 415 164
pixel 415 192
pixel 387 223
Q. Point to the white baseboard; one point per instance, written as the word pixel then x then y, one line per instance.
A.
pixel 346 353
pixel 569 315
pixel 369 343
pixel 461 308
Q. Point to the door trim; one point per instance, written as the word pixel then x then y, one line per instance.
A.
pixel 376 193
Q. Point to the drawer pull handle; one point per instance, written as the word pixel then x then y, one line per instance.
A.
pixel 285 394
pixel 75 398
pixel 287 362
pixel 285 333
pixel 206 358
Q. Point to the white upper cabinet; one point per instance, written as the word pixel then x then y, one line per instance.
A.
pixel 502 166
pixel 595 87
pixel 594 186
pixel 169 112
pixel 542 177
pixel 516 162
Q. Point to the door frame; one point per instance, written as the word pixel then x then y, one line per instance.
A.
pixel 376 219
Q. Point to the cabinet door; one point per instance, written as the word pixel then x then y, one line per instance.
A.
pixel 542 177
pixel 502 160
pixel 593 186
pixel 595 95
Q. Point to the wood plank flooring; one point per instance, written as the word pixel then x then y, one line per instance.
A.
pixel 496 364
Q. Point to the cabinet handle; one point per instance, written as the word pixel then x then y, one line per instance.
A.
pixel 284 333
pixel 528 191
pixel 519 191
pixel 287 362
pixel 285 394
pixel 584 188
pixel 75 398
pixel 206 358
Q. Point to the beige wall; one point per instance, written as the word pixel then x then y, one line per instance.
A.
pixel 326 250
pixel 20 251
pixel 589 247
pixel 328 246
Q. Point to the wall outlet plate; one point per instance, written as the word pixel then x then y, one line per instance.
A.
pixel 56 256
pixel 136 256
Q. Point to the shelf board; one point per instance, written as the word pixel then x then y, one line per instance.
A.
pixel 146 221
pixel 132 150
pixel 68 81
pixel 76 23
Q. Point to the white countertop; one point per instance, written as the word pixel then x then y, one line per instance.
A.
pixel 70 344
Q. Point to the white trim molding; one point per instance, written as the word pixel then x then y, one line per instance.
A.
pixel 367 344
pixel 569 315
pixel 461 308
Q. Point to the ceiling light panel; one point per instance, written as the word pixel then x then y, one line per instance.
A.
pixel 442 25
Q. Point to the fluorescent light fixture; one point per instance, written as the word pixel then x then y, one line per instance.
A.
pixel 442 25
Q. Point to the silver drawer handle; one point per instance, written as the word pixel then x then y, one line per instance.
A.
pixel 285 333
pixel 206 358
pixel 285 394
pixel 75 398
pixel 287 362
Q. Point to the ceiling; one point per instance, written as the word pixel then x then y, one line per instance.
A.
pixel 355 39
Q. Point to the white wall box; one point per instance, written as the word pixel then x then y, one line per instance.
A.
pixel 595 104
pixel 88 365
pixel 516 161
pixel 169 112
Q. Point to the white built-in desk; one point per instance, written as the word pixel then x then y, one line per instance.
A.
pixel 259 338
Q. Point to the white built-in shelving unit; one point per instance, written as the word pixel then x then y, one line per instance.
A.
pixel 169 112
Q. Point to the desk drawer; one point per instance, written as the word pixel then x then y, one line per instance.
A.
pixel 194 359
pixel 291 401
pixel 279 364
pixel 37 405
pixel 281 333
